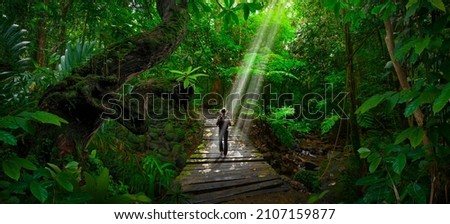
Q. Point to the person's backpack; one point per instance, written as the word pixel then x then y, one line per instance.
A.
pixel 220 121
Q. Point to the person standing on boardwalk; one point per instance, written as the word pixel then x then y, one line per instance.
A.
pixel 223 121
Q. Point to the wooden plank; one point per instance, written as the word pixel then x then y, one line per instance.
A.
pixel 224 184
pixel 224 160
pixel 228 166
pixel 200 198
pixel 282 188
pixel 230 154
pixel 230 150
pixel 221 177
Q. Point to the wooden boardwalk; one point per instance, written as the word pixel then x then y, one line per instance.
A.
pixel 211 178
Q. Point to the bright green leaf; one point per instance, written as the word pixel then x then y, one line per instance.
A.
pixel 177 72
pixel 373 156
pixel 11 169
pixel 48 118
pixel 54 167
pixel 8 122
pixel 369 180
pixel 7 138
pixel 38 191
pixel 407 95
pixel 421 45
pixel 364 152
pixel 102 184
pixel 24 124
pixel 403 50
pixel 377 9
pixel 246 9
pixel 411 3
pixel 64 181
pixel 24 163
pixel 438 4
pixel 186 83
pixel 416 136
pixel 72 165
pixel 392 101
pixel 442 99
pixel 399 163
pixel 411 108
pixel 402 136
pixel 370 103
pixel 374 164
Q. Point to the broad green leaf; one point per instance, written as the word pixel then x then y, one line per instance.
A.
pixel 7 138
pixel 8 122
pixel 72 165
pixel 255 6
pixel 54 167
pixel 416 136
pixel 48 118
pixel 64 181
pixel 177 72
pixel 407 95
pixel 417 193
pixel 442 99
pixel 24 124
pixel 24 163
pixel 374 164
pixel 399 163
pixel 102 184
pixel 370 103
pixel 246 9
pixel 38 191
pixel 186 83
pixel 377 9
pixel 91 184
pixel 373 156
pixel 411 108
pixel 438 4
pixel 402 136
pixel 392 101
pixel 364 152
pixel 411 3
pixel 369 180
pixel 11 169
pixel 421 45
pixel 403 50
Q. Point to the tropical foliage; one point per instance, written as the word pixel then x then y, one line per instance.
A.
pixel 370 78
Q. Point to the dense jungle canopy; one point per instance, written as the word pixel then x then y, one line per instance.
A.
pixel 106 101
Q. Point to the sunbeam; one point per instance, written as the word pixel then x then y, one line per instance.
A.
pixel 248 84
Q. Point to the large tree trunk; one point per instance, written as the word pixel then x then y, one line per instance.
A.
pixel 354 129
pixel 90 94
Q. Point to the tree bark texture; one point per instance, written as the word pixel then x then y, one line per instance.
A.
pixel 84 96
pixel 401 74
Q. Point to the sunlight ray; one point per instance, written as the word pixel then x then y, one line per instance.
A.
pixel 248 83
